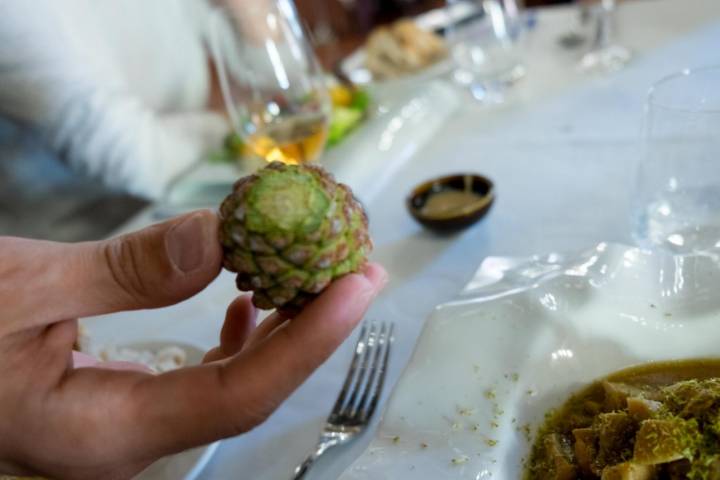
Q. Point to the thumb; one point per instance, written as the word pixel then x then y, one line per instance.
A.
pixel 155 267
pixel 160 265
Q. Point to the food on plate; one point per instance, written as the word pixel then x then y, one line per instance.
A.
pixel 656 421
pixel 159 360
pixel 402 48
pixel 341 96
pixel 157 357
pixel 344 121
pixel 290 230
pixel 350 106
pixel 234 145
pixel 232 150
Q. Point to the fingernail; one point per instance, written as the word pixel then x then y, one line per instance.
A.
pixel 186 243
pixel 380 286
pixel 378 277
pixel 384 279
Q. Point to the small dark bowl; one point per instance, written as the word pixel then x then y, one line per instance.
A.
pixel 452 221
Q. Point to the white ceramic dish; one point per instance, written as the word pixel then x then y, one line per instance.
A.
pixel 185 466
pixel 523 336
pixel 354 68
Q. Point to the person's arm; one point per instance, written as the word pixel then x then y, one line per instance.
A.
pixel 57 82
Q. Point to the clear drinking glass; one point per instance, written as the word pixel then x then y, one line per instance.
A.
pixel 678 181
pixel 273 86
pixel 486 51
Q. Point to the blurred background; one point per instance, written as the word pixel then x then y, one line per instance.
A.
pixel 102 104
pixel 340 26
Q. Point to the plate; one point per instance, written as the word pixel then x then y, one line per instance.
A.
pixel 354 68
pixel 185 466
pixel 521 337
pixel 437 20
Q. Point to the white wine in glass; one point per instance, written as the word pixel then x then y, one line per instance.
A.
pixel 273 86
pixel 293 139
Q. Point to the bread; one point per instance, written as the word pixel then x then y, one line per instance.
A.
pixel 402 48
pixel 427 45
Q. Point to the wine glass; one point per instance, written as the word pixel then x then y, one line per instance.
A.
pixel 605 54
pixel 272 84
pixel 486 51
pixel 678 183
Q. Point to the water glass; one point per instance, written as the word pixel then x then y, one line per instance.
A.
pixel 678 181
pixel 486 51
pixel 273 86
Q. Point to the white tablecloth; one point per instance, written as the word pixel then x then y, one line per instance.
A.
pixel 562 153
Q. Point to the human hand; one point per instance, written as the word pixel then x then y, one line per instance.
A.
pixel 113 420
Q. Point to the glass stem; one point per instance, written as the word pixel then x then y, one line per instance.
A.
pixel 605 34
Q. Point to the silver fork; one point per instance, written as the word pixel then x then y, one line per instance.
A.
pixel 360 394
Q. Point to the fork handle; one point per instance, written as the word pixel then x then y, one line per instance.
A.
pixel 302 469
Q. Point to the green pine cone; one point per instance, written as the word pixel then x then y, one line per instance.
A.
pixel 290 230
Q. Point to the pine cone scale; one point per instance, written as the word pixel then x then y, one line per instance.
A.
pixel 288 231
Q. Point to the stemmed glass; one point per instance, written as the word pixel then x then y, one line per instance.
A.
pixel 273 86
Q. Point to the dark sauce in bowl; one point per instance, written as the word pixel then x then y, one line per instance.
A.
pixel 451 203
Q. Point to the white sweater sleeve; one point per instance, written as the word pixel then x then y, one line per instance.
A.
pixel 55 79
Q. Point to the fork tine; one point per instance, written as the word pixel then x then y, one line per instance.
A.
pixel 360 347
pixel 372 405
pixel 370 380
pixel 362 371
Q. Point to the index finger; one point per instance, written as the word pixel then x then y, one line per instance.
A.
pixel 195 406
